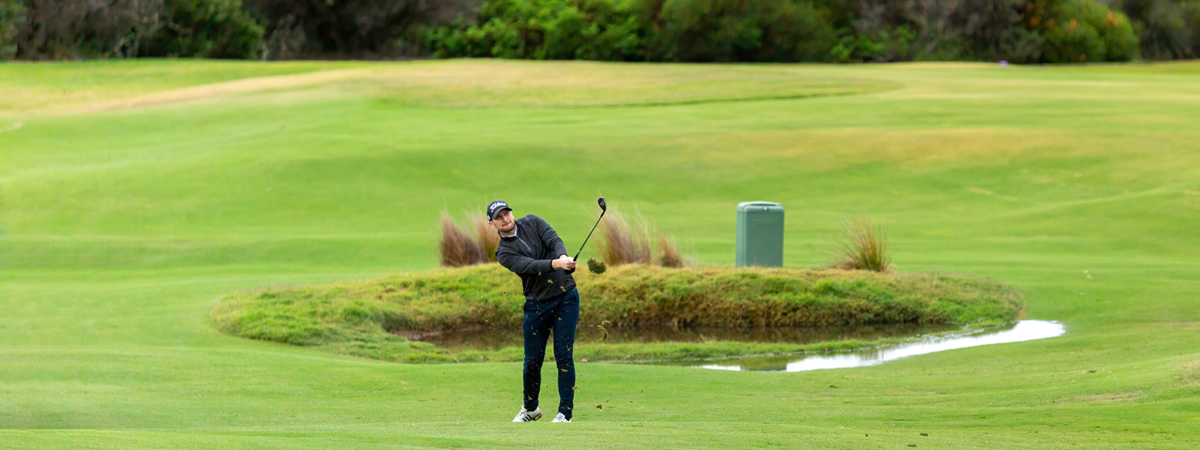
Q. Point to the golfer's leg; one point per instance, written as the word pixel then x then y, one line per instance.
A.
pixel 564 351
pixel 536 332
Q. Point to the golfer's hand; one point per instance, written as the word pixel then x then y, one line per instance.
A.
pixel 563 262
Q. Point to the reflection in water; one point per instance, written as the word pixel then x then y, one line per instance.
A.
pixel 496 338
pixel 1025 330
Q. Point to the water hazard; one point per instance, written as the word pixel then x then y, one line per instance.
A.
pixel 494 338
pixel 1025 330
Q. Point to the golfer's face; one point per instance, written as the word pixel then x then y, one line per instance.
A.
pixel 504 222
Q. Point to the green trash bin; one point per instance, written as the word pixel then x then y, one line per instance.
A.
pixel 759 234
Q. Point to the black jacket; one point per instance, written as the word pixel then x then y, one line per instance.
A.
pixel 529 254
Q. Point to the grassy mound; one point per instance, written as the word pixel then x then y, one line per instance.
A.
pixel 361 317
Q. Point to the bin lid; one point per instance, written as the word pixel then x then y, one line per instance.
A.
pixel 743 206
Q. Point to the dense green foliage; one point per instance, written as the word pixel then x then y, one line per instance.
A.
pixel 11 14
pixel 1022 31
pixel 552 29
pixel 736 30
pixel 1167 29
pixel 267 29
pixel 1081 31
pixel 67 29
pixel 791 30
pixel 339 315
pixel 206 28
pixel 120 231
pixel 640 30
pixel 349 28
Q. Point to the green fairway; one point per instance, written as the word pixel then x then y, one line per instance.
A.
pixel 124 218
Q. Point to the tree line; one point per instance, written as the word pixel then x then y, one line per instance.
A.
pixel 1019 31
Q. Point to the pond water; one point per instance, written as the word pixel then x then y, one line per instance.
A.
pixel 493 338
pixel 1025 330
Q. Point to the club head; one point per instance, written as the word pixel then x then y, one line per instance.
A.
pixel 603 205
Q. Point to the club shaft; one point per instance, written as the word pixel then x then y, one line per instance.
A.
pixel 589 236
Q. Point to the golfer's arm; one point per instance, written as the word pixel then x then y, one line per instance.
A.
pixel 524 264
pixel 550 238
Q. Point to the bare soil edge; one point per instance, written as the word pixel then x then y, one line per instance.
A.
pixel 275 82
pixel 217 90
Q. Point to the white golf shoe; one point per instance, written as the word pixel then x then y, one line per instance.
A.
pixel 560 418
pixel 529 416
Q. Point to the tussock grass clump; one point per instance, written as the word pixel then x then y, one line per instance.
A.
pixel 364 317
pixel 668 254
pixel 488 238
pixel 457 248
pixel 624 243
pixel 461 246
pixel 865 247
pixel 629 242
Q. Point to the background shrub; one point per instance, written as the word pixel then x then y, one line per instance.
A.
pixel 205 28
pixel 12 14
pixel 1166 29
pixel 737 30
pixel 1030 31
pixel 544 29
pixel 349 28
pixel 888 30
pixel 1081 31
pixel 1022 31
pixel 73 29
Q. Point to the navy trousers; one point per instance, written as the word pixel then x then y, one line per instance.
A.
pixel 558 316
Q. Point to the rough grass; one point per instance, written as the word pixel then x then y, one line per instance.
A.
pixel 359 317
pixel 865 247
pixel 1190 373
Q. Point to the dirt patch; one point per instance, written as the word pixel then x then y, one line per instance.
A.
pixel 1107 397
pixel 1190 373
pixel 216 90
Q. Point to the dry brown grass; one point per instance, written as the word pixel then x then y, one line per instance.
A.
pixel 85 100
pixel 488 239
pixel 459 248
pixel 1107 397
pixel 623 243
pixel 668 254
pixel 865 247
pixel 632 242
pixel 1191 374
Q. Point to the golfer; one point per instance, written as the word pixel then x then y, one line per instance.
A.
pixel 530 248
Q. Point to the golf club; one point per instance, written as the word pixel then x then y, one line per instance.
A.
pixel 603 209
